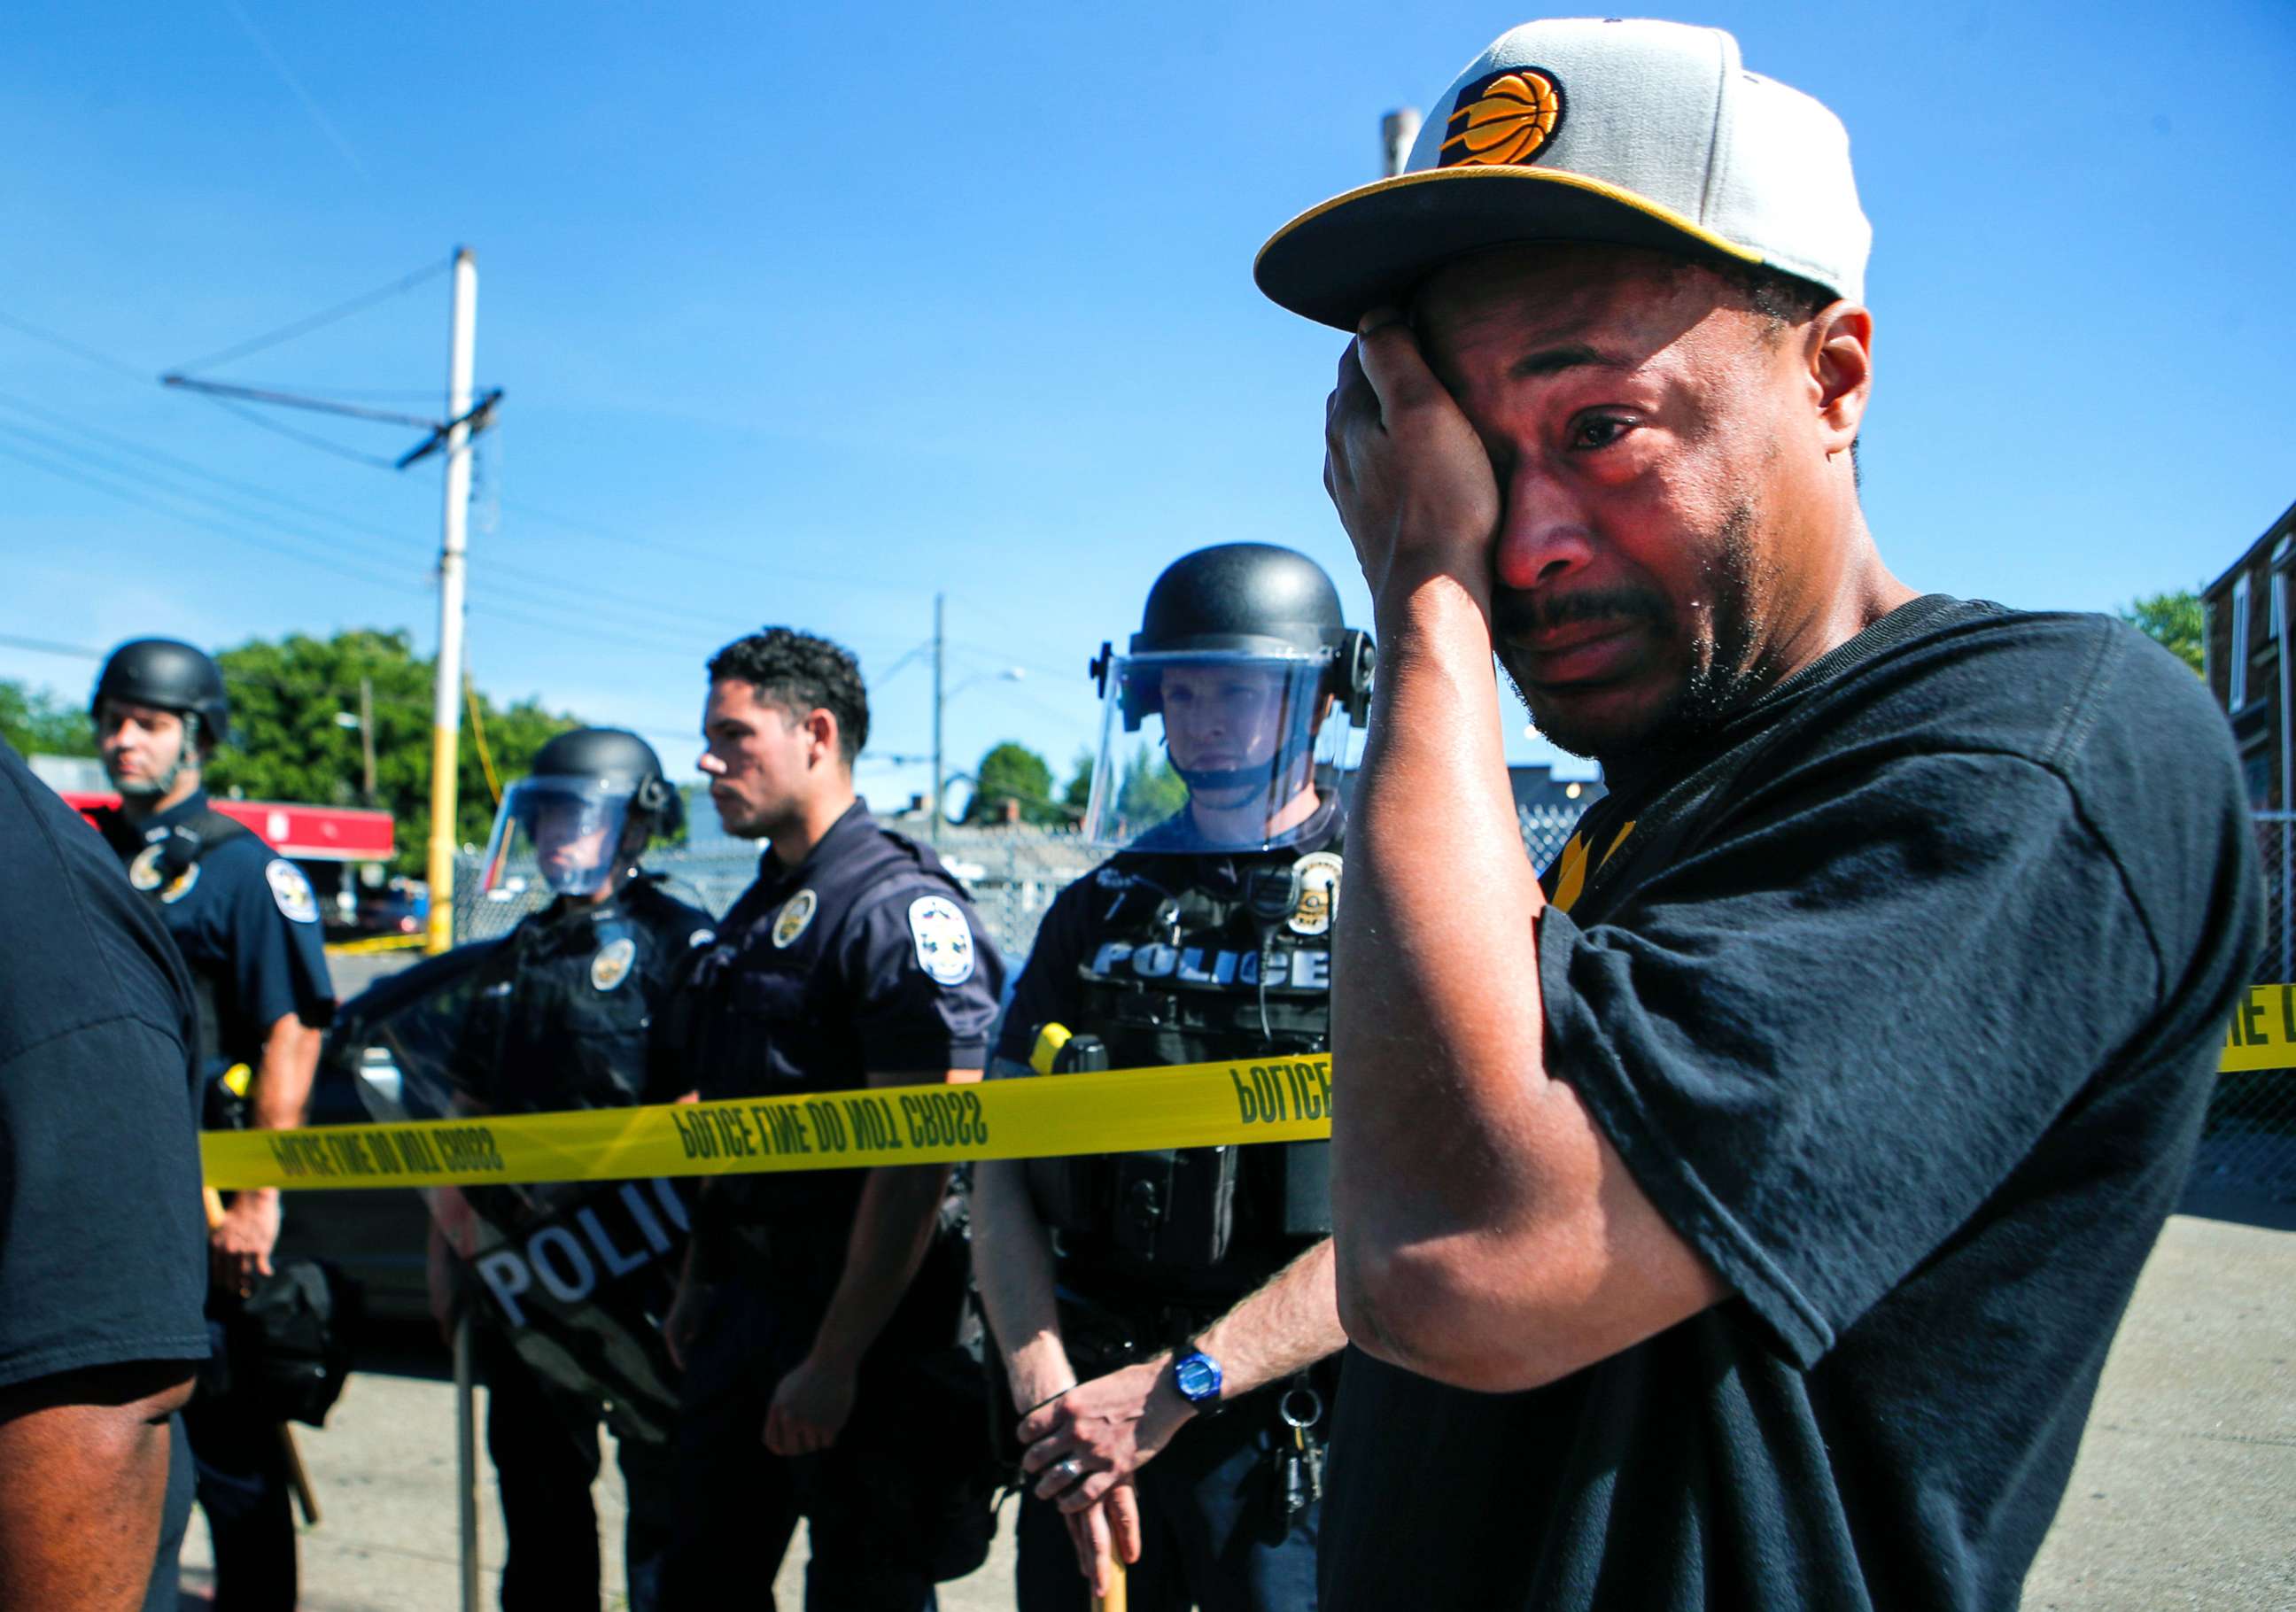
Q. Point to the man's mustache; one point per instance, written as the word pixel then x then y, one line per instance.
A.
pixel 1515 614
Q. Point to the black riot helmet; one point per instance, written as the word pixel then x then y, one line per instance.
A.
pixel 617 757
pixel 1248 598
pixel 1250 637
pixel 167 677
pixel 594 795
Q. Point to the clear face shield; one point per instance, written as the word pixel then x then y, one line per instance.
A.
pixel 1213 750
pixel 564 834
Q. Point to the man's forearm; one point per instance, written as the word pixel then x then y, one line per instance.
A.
pixel 892 1228
pixel 1285 1327
pixel 86 1459
pixel 1437 1018
pixel 1013 1262
pixel 283 1077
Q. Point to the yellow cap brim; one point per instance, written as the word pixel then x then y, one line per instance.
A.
pixel 1370 246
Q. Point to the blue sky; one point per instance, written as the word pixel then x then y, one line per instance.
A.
pixel 804 315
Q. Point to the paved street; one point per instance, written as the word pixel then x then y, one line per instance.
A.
pixel 2184 1495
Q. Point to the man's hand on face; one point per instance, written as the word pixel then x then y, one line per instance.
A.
pixel 1412 481
pixel 810 1407
pixel 1093 1437
pixel 241 1242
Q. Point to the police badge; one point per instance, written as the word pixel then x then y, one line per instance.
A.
pixel 612 965
pixel 796 914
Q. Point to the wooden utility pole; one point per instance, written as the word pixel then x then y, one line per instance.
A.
pixel 366 736
pixel 940 601
pixel 446 702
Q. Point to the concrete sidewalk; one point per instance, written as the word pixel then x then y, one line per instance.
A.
pixel 2185 1495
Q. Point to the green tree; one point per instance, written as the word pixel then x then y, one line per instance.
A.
pixel 1015 773
pixel 1078 795
pixel 38 724
pixel 1151 790
pixel 288 744
pixel 2174 620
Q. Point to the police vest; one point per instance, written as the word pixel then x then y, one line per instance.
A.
pixel 1176 972
pixel 768 1012
pixel 164 869
pixel 563 1009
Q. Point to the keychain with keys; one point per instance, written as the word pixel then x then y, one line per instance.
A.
pixel 1302 1465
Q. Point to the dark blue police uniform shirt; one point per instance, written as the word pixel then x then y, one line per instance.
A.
pixel 102 1243
pixel 846 965
pixel 865 958
pixel 246 920
pixel 1900 996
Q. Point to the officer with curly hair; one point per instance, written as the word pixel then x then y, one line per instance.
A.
pixel 819 1317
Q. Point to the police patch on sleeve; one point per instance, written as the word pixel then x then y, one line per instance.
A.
pixel 944 940
pixel 612 965
pixel 1319 893
pixel 292 891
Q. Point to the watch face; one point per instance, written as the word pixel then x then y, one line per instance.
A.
pixel 1198 1377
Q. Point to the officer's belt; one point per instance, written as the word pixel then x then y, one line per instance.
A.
pixel 1283 1099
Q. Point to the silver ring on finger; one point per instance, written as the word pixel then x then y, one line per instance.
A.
pixel 1068 1471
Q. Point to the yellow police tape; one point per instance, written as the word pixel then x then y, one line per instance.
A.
pixel 1176 1106
pixel 2262 1035
pixel 375 944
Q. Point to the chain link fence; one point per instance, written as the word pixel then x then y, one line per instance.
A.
pixel 1012 871
pixel 2249 1142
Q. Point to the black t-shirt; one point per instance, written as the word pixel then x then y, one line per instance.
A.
pixel 102 1243
pixel 1900 1001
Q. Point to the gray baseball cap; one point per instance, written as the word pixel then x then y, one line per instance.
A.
pixel 1635 133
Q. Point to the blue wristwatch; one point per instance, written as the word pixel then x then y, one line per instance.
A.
pixel 1197 1376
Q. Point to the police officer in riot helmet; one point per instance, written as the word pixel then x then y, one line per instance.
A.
pixel 1168 1320
pixel 561 1016
pixel 248 927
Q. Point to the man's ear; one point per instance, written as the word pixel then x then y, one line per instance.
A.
pixel 1839 350
pixel 822 737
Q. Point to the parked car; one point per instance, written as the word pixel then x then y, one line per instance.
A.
pixel 381 1235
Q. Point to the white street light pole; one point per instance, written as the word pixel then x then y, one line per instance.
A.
pixel 446 702
pixel 1397 130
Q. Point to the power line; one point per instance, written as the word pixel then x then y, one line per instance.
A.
pixel 143 501
pixel 186 467
pixel 588 610
pixel 318 321
pixel 308 438
pixel 774 568
pixel 48 646
pixel 66 343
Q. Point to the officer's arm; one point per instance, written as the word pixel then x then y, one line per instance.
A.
pixel 1285 1327
pixel 282 1084
pixel 250 1229
pixel 1013 1262
pixel 900 1206
pixel 87 1458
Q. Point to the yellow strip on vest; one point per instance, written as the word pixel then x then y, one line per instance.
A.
pixel 2262 1035
pixel 1121 1111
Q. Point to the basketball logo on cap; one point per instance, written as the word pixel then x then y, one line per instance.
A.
pixel 1503 119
